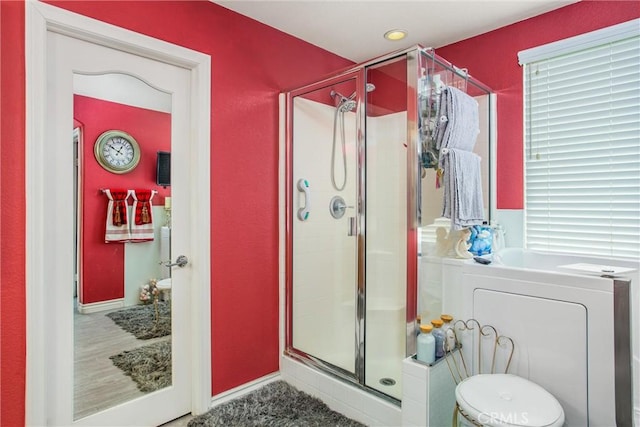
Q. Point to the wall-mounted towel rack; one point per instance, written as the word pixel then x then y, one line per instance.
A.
pixel 104 190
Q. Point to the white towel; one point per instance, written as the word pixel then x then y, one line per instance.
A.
pixel 459 124
pixel 462 189
pixel 142 224
pixel 118 230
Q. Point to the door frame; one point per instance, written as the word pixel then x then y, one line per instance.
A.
pixel 42 175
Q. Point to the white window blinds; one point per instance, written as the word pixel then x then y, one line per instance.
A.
pixel 582 150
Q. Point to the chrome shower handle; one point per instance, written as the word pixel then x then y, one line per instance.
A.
pixel 337 207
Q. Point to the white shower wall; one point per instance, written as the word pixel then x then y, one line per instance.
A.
pixel 325 256
pixel 386 208
pixel 324 264
pixel 386 253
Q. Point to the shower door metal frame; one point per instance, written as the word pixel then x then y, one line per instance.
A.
pixel 355 377
pixel 413 213
pixel 414 195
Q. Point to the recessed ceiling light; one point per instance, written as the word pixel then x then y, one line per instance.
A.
pixel 395 35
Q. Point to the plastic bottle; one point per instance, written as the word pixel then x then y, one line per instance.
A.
pixel 498 237
pixel 438 334
pixel 426 345
pixel 418 323
pixel 450 336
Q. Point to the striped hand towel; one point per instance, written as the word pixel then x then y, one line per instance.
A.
pixel 117 227
pixel 142 225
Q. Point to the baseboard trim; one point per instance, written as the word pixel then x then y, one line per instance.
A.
pixel 246 388
pixel 95 307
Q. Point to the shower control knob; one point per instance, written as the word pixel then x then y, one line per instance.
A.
pixel 181 261
pixel 337 207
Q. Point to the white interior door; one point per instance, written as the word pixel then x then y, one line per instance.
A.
pixel 73 55
pixel 60 44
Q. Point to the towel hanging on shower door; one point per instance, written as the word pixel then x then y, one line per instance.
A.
pixel 456 134
pixel 462 188
pixel 117 226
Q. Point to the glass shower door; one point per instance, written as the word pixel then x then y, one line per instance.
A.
pixel 322 219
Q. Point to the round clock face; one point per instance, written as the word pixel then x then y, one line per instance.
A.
pixel 117 151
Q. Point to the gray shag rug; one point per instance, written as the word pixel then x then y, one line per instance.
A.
pixel 141 320
pixel 149 366
pixel 277 404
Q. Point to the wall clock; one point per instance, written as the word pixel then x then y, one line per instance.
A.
pixel 117 151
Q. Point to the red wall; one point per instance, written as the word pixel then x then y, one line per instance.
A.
pixel 12 214
pixel 102 268
pixel 249 68
pixel 493 59
pixel 251 63
pixel 390 94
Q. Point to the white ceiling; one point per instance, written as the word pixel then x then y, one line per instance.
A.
pixel 354 29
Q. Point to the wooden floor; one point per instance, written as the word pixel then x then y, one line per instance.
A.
pixel 98 383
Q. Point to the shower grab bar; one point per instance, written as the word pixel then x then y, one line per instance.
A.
pixel 303 212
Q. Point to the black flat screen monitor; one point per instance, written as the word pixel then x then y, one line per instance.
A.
pixel 163 168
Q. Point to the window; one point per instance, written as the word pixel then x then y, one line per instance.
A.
pixel 582 144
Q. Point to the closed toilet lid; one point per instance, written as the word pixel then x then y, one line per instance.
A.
pixel 507 400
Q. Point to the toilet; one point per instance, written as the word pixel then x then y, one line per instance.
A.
pixel 164 286
pixel 506 400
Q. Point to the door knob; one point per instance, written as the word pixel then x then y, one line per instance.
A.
pixel 181 261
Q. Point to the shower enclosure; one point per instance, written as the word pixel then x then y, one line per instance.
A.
pixel 357 154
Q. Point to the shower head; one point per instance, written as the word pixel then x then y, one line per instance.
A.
pixel 370 87
pixel 339 96
pixel 346 105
